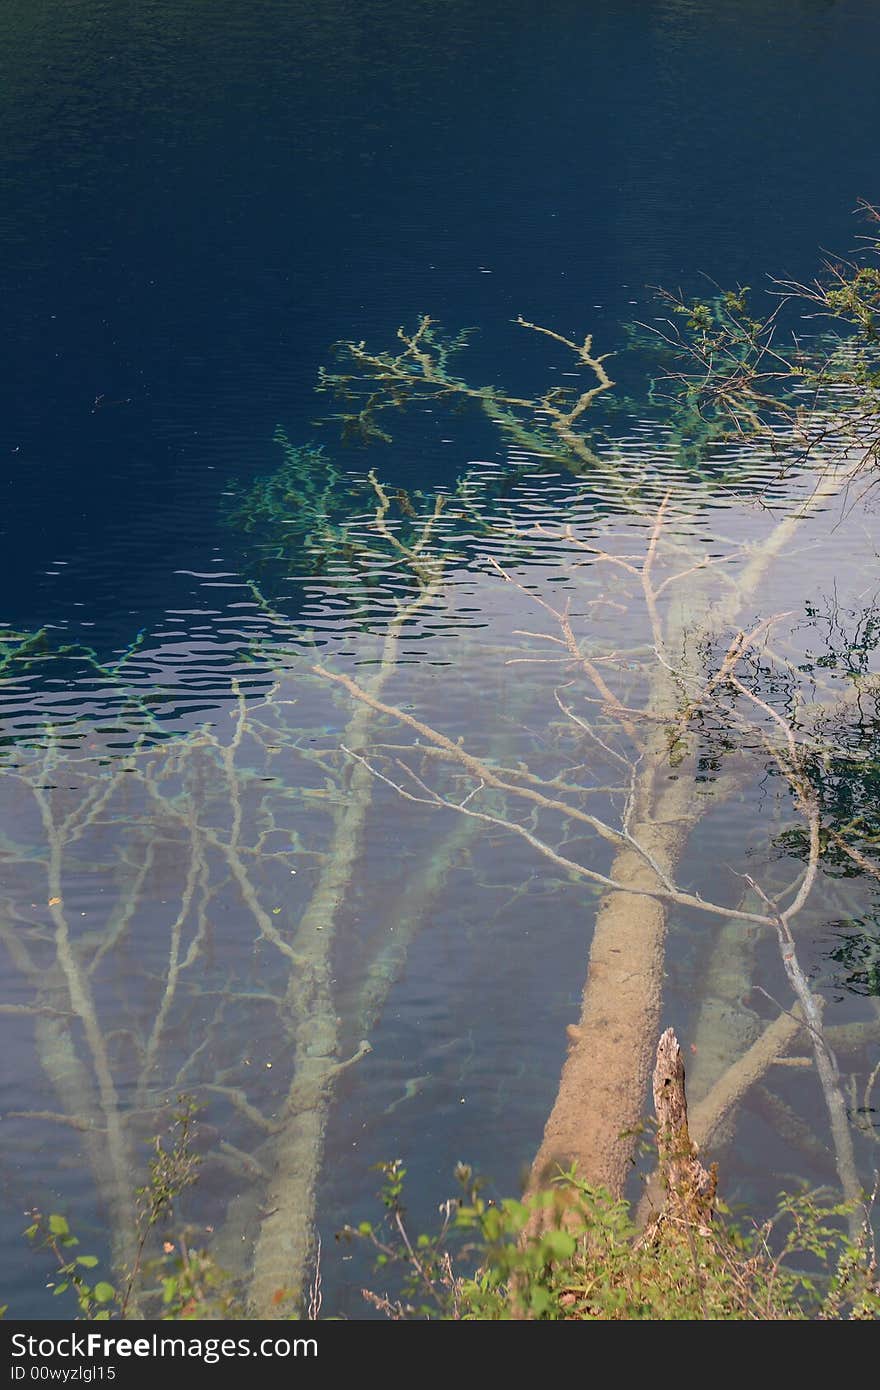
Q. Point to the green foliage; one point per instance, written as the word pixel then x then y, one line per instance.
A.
pixel 185 1284
pixel 173 1167
pixel 390 381
pixel 298 511
pixel 575 1253
pixel 858 956
pixel 725 370
pixel 720 374
pixel 52 1233
pixel 571 1253
pixel 178 1281
pixel 855 297
pixel 840 734
pixel 18 648
pixel 194 1287
pixel 307 516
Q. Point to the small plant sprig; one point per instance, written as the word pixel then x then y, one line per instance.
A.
pixel 98 1301
pixel 172 1171
pixel 194 1278
pixel 193 1286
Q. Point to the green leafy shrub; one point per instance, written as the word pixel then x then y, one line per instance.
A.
pixel 576 1253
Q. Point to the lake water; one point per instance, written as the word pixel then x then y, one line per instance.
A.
pixel 195 209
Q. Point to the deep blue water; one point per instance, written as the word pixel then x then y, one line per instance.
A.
pixel 197 203
pixel 196 206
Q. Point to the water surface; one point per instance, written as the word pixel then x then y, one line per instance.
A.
pixel 193 214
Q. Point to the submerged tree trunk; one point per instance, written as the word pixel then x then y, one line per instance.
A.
pixel 599 1105
pixel 604 1079
pixel 284 1242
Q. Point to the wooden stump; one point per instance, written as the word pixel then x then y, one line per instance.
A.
pixel 690 1188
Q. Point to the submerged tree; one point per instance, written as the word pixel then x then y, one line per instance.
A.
pixel 688 663
pixel 615 752
pixel 250 832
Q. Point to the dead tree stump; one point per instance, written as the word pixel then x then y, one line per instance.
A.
pixel 690 1188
